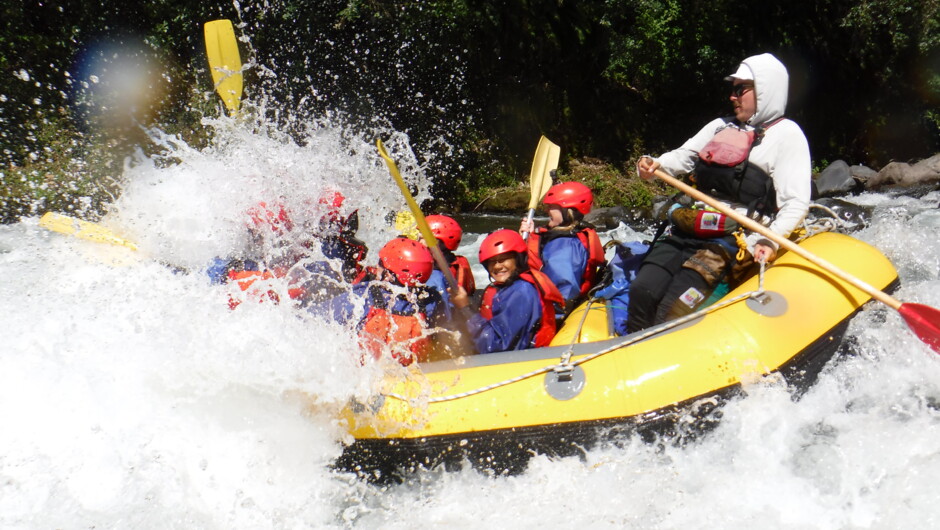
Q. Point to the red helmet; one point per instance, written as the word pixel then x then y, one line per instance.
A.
pixel 330 208
pixel 409 260
pixel 445 229
pixel 331 204
pixel 333 200
pixel 501 241
pixel 570 195
pixel 275 217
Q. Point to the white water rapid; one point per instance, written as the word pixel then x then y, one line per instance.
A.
pixel 133 397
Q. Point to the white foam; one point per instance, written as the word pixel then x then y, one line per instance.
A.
pixel 131 396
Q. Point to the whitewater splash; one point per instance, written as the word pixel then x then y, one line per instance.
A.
pixel 131 396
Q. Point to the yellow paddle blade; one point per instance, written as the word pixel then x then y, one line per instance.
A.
pixel 224 62
pixel 407 225
pixel 429 238
pixel 544 162
pixel 64 224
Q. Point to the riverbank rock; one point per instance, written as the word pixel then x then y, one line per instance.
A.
pixel 840 178
pixel 862 173
pixel 903 174
pixel 836 179
pixel 611 217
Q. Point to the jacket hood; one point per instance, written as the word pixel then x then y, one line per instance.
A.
pixel 771 83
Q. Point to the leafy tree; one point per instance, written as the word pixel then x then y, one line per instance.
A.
pixel 472 82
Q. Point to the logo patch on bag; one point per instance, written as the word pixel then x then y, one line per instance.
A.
pixel 702 223
pixel 711 221
pixel 692 297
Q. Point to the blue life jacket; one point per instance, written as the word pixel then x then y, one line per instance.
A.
pixel 564 260
pixel 622 271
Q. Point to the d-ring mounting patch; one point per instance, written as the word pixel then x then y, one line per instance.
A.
pixel 564 385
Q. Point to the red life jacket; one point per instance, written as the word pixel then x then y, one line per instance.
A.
pixel 404 335
pixel 460 268
pixel 366 273
pixel 592 244
pixel 244 280
pixel 548 296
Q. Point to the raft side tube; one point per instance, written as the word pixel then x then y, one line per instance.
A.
pixel 507 451
pixel 470 400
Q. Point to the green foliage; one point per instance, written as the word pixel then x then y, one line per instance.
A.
pixel 644 42
pixel 886 31
pixel 60 179
pixel 819 166
pixel 474 83
pixel 55 153
pixel 612 186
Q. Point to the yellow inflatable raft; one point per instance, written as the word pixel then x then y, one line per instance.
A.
pixel 590 386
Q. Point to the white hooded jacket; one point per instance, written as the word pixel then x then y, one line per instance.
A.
pixel 783 153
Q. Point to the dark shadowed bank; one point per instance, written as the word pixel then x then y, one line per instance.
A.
pixel 473 83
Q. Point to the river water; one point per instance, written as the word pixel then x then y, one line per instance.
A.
pixel 131 396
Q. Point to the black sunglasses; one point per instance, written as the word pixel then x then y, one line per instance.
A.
pixel 739 90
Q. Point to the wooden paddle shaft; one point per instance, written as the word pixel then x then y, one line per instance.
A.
pixel 754 226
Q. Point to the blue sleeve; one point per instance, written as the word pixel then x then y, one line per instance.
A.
pixel 325 269
pixel 400 305
pixel 438 307
pixel 564 260
pixel 217 270
pixel 342 307
pixel 516 311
